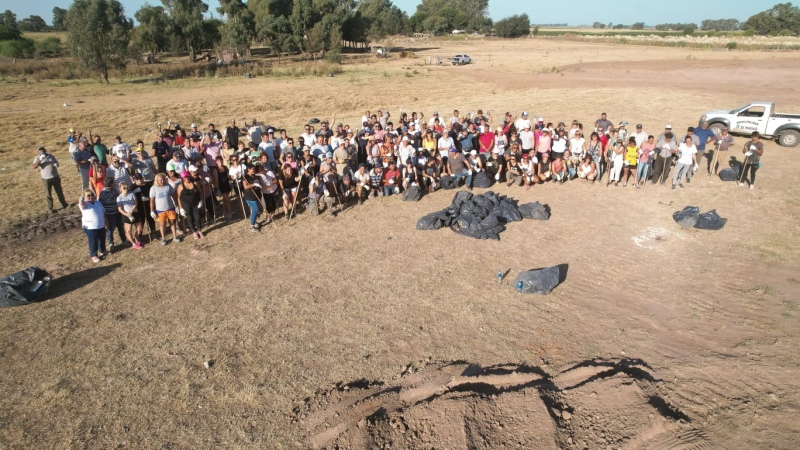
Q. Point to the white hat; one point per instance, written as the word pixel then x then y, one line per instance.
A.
pixel 192 168
pixel 405 138
pixel 473 152
pixel 194 125
pixel 668 126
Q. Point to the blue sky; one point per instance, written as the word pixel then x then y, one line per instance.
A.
pixel 574 12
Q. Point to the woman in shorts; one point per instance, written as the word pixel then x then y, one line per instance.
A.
pixel 288 182
pixel 224 187
pixel 128 207
pixel 629 164
pixel 162 208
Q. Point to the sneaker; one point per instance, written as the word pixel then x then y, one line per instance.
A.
pixel 254 229
pixel 95 259
pixel 752 186
pixel 681 185
pixel 137 246
pixel 163 242
pixel 741 184
pixel 176 240
pixel 673 186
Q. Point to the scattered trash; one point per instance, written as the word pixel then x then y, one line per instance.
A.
pixel 541 281
pixel 690 217
pixel 24 287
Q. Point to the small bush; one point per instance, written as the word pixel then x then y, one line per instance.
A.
pixel 731 45
pixel 334 57
pixel 18 48
pixel 50 45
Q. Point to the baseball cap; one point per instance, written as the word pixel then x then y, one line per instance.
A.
pixel 453 149
pixel 71 130
pixel 184 174
pixel 270 131
pixel 638 125
pixel 194 125
pixel 525 113
pixel 541 119
pixel 378 165
pixel 668 127
pixel 405 138
pixel 473 152
pixel 329 155
pixel 436 113
pixel 192 168
pixel 524 156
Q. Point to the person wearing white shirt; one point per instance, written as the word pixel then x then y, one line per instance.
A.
pixel 121 149
pixel 577 145
pixel 639 135
pixel 687 157
pixel 526 137
pixel 523 122
pixel 559 144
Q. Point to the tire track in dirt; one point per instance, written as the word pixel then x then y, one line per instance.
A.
pixel 596 403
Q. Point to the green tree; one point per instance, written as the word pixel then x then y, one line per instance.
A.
pixel 59 19
pixel 637 26
pixel 9 19
pixel 99 34
pixel 720 25
pixel 598 25
pixel 239 27
pixel 775 20
pixel 152 34
pixel 513 27
pixel 380 18
pixel 440 16
pixel 32 23
pixel 187 23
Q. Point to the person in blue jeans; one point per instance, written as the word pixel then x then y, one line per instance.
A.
pixel 704 136
pixel 252 195
pixel 458 166
pixel 93 219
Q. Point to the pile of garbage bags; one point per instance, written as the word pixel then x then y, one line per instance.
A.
pixel 482 216
pixel 24 287
pixel 690 217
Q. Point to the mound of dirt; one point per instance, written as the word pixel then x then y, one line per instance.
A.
pixel 43 224
pixel 595 404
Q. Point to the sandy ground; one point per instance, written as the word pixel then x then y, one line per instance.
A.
pixel 362 332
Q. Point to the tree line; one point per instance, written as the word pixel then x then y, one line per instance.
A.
pixel 102 37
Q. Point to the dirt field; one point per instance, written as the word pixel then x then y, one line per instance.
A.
pixel 361 332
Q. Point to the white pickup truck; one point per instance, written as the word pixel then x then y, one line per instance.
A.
pixel 757 116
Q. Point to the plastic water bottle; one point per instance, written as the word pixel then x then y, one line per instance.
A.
pixel 499 276
pixel 519 287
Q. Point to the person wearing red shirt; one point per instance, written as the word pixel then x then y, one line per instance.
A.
pixel 391 180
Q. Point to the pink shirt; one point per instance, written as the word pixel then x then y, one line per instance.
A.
pixel 487 140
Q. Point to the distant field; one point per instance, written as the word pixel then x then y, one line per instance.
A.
pixel 626 32
pixel 40 36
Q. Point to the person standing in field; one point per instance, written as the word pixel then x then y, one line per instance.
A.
pixel 687 157
pixel 753 150
pixel 93 219
pixel 48 170
pixel 722 143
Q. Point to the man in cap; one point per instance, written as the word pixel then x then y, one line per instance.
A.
pixel 176 165
pixel 48 170
pixel 254 130
pixel 522 122
pixel 667 129
pixel 639 135
pixel 603 124
pixel 362 180
pixel 667 149
pixel 194 132
pixel 118 170
pixel 722 143
pixel 706 136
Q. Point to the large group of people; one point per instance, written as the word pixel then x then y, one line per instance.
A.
pixel 187 179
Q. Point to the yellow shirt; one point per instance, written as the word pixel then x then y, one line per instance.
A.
pixel 630 155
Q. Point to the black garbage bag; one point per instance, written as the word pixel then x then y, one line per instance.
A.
pixel 541 281
pixel 484 202
pixel 460 198
pixel 474 209
pixel 24 287
pixel 470 224
pixel 508 212
pixel 492 197
pixel 729 174
pixel 448 182
pixel 430 222
pixel 534 210
pixel 482 180
pixel 687 217
pixel 710 221
pixel 412 194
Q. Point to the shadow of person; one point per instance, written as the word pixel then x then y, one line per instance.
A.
pixel 73 281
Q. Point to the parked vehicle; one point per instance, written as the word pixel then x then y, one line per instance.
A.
pixel 757 116
pixel 460 60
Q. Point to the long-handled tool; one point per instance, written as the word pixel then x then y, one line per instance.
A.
pixel 296 194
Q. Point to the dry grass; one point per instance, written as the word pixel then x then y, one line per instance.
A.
pixel 117 357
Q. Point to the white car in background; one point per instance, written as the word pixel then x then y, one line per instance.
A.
pixel 460 60
pixel 757 116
